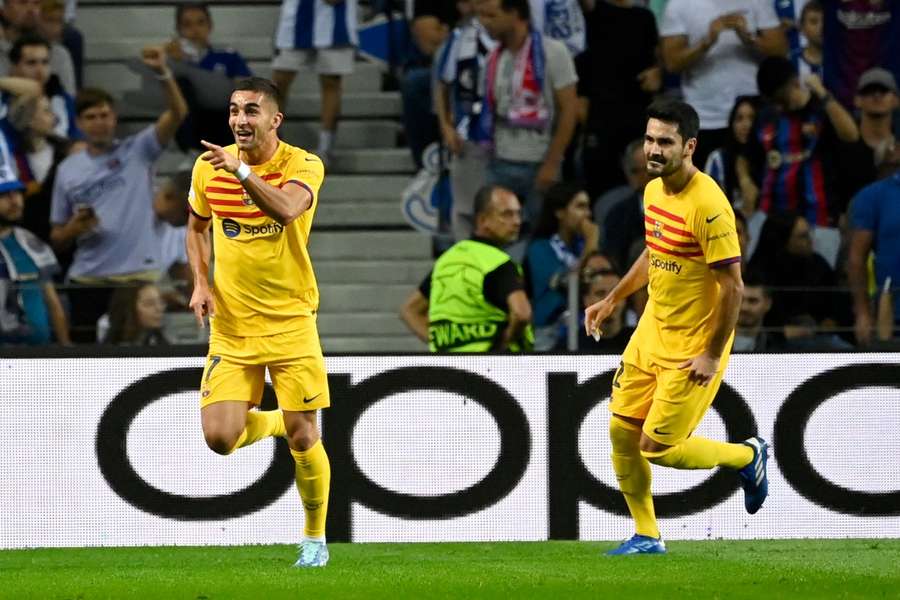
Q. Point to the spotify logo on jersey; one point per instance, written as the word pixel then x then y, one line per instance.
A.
pixel 230 228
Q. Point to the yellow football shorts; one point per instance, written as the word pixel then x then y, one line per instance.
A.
pixel 670 404
pixel 236 369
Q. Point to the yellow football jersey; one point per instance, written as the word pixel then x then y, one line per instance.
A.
pixel 687 235
pixel 263 280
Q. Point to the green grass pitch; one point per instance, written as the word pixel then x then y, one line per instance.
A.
pixel 761 570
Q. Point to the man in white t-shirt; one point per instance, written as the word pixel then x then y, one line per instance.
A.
pixel 716 47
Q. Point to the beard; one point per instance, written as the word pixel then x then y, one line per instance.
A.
pixel 5 222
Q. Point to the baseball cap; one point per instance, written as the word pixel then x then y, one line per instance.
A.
pixel 877 77
pixel 11 185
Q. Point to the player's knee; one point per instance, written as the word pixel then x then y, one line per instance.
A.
pixel 221 441
pixel 301 433
pixel 623 435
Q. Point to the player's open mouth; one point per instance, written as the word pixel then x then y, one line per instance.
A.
pixel 243 135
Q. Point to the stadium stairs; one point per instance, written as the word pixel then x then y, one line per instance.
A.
pixel 366 258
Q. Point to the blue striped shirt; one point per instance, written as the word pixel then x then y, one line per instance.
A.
pixel 310 24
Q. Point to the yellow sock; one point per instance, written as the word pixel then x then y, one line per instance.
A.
pixel 701 453
pixel 313 474
pixel 633 474
pixel 261 424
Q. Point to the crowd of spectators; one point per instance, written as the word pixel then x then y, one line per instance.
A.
pixel 798 102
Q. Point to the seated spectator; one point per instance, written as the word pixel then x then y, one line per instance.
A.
pixel 136 316
pixel 597 262
pixel 623 224
pixel 533 120
pixel 721 164
pixel 458 101
pixel 170 206
pixel 102 199
pixel 875 226
pixel 37 152
pixel 716 47
pixel 193 24
pixel 562 238
pixel 614 333
pixel 29 57
pixel 474 299
pixel 798 133
pixel 22 17
pixel 808 59
pixel 615 94
pixel 324 38
pixel 750 335
pixel 804 287
pixel 30 310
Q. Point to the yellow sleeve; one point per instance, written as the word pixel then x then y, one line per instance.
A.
pixel 307 171
pixel 714 228
pixel 197 195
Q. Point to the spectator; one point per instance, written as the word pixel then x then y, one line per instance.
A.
pixel 53 27
pixel 563 237
pixel 102 199
pixel 623 225
pixel 20 17
pixel 614 333
pixel 716 46
pixel 750 335
pixel 623 87
pixel 30 309
pixel 458 101
pixel 858 35
pixel 324 38
pixel 808 59
pixel 474 299
pixel 136 316
pixel 798 131
pixel 804 286
pixel 431 24
pixel 877 100
pixel 37 152
pixel 531 109
pixel 193 25
pixel 29 57
pixel 721 164
pixel 875 223
pixel 170 206
pixel 562 20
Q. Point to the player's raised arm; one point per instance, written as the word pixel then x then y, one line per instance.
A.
pixel 636 278
pixel 196 241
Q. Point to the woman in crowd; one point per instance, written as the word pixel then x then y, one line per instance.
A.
pixel 136 316
pixel 563 237
pixel 738 181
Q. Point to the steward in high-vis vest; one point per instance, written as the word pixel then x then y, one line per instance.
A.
pixel 474 298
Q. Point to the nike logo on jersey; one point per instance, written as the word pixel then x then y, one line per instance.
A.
pixel 711 219
pixel 658 432
pixel 308 400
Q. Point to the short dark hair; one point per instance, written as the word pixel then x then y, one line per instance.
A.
pixel 186 6
pixel 483 198
pixel 811 6
pixel 90 98
pixel 557 197
pixel 521 7
pixel 754 277
pixel 681 113
pixel 27 39
pixel 261 85
pixel 774 73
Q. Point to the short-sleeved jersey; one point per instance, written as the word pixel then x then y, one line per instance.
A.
pixel 263 281
pixel 687 236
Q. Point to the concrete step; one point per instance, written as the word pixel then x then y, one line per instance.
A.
pixel 353 188
pixel 117 78
pixel 354 297
pixel 366 213
pixel 369 245
pixel 380 344
pixel 135 105
pixel 360 324
pixel 352 135
pixel 374 160
pixel 408 272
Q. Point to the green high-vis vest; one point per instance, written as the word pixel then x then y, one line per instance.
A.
pixel 460 319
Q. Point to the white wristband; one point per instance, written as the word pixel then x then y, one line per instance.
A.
pixel 243 172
